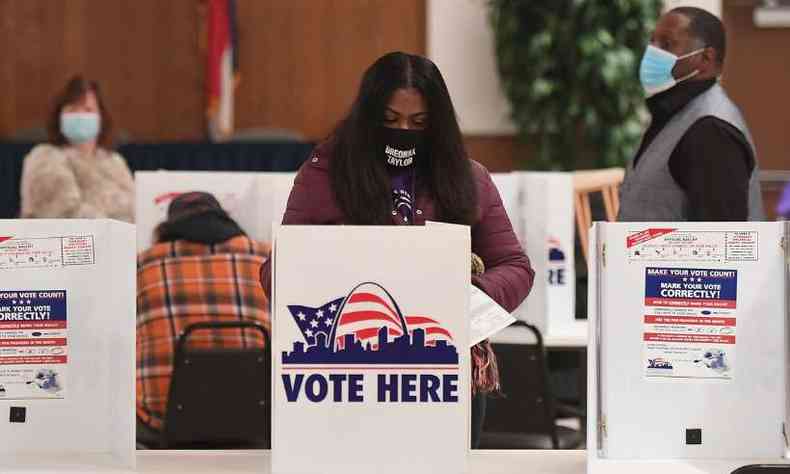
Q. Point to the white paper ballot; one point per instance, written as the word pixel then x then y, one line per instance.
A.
pixel 486 316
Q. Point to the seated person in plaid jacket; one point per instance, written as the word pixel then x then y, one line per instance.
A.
pixel 202 267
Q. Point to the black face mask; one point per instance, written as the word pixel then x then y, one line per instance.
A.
pixel 400 147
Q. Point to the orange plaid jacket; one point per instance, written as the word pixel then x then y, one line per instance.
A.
pixel 181 283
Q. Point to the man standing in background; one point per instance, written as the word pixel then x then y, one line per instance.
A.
pixel 697 160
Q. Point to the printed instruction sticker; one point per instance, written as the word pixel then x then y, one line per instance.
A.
pixel 48 252
pixel 674 245
pixel 33 344
pixel 689 324
pixel 741 246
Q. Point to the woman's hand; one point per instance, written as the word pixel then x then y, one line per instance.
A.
pixel 478 267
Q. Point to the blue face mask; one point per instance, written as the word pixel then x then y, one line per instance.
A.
pixel 80 127
pixel 655 72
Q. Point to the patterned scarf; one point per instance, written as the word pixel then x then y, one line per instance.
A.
pixel 485 373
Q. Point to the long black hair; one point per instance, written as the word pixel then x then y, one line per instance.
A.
pixel 359 177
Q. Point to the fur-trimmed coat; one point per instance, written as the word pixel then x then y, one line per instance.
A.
pixel 61 182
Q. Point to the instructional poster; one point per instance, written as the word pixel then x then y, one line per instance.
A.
pixel 47 252
pixel 33 344
pixel 689 325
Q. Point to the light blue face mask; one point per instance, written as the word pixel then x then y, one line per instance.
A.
pixel 655 72
pixel 80 127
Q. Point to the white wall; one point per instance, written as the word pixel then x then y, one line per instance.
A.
pixel 713 6
pixel 460 42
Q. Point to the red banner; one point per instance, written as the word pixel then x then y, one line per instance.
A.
pixel 689 303
pixel 646 235
pixel 37 360
pixel 32 342
pixel 36 325
pixel 691 320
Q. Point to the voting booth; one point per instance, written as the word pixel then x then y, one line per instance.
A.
pixel 688 345
pixel 539 205
pixel 67 341
pixel 548 205
pixel 274 189
pixel 370 349
pixel 253 200
pixel 540 208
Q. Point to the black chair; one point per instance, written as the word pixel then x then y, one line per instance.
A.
pixel 219 398
pixel 763 469
pixel 523 416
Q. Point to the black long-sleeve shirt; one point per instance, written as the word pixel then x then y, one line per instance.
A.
pixel 713 161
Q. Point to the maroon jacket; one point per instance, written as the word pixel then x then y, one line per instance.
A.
pixel 508 277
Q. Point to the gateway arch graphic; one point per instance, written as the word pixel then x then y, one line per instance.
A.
pixel 367 327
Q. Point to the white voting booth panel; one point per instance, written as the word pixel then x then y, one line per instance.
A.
pixel 688 345
pixel 254 200
pixel 370 349
pixel 548 203
pixel 274 189
pixel 74 278
pixel 540 208
pixel 154 190
pixel 532 238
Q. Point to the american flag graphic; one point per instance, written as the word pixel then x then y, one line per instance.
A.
pixel 433 330
pixel 368 308
pixel 367 320
pixel 314 322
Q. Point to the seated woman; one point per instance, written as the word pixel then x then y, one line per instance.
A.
pixel 202 268
pixel 398 158
pixel 76 174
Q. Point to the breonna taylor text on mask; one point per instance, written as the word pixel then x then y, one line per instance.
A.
pixel 397 157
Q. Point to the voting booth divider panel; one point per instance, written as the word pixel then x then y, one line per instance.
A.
pixel 370 349
pixel 688 345
pixel 67 310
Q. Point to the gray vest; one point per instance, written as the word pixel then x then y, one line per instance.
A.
pixel 649 193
